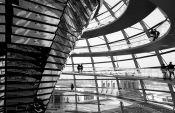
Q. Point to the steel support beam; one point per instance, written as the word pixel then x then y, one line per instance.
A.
pixel 95 77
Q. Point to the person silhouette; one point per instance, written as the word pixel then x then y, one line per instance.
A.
pixel 79 68
pixel 72 86
pixel 171 70
pixel 154 34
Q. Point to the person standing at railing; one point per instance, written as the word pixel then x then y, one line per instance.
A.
pixel 72 86
pixel 154 34
pixel 79 68
pixel 171 70
pixel 164 71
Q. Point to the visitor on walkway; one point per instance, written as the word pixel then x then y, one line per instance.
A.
pixel 171 70
pixel 164 71
pixel 79 68
pixel 72 86
pixel 154 34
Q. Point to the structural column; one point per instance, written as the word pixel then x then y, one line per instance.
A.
pixel 161 62
pixel 75 86
pixel 143 90
pixel 118 86
pixel 95 77
pixel 8 33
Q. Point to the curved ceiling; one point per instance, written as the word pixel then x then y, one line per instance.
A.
pixel 104 17
pixel 136 11
pixel 163 43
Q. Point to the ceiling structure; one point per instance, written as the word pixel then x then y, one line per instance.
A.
pixel 122 46
pixel 36 37
pixel 112 40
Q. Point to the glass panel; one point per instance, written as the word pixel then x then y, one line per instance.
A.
pixel 120 9
pixel 2 17
pixel 131 89
pixel 109 104
pixel 2 8
pixel 2 21
pixel 119 45
pixel 2 79
pixel 161 97
pixel 145 62
pixel 86 103
pixel 80 50
pixel 135 29
pixel 104 66
pixel 104 15
pixel 169 57
pixel 163 28
pixel 69 61
pixel 126 64
pixel 85 85
pixel 80 60
pixel 149 19
pixel 99 48
pixel 68 102
pixel 2 1
pixel 139 40
pixel 123 57
pixel 152 85
pixel 115 36
pixel 96 41
pixel 87 67
pixel 102 9
pixel 81 43
pixel 68 68
pixel 2 37
pixel 107 86
pixel 101 59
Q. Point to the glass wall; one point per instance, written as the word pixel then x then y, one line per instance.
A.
pixel 111 70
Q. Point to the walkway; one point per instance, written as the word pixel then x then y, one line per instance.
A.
pixel 122 76
pixel 136 107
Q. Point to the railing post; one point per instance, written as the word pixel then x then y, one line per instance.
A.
pixel 75 86
pixel 143 90
pixel 122 107
pixel 118 85
pixel 98 100
pixel 172 93
pixel 95 77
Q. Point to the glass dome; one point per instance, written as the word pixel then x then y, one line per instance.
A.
pixel 119 55
pixel 104 17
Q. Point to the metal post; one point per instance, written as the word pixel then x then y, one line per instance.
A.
pixel 143 90
pixel 122 107
pixel 75 86
pixel 98 100
pixel 172 93
pixel 95 77
pixel 118 86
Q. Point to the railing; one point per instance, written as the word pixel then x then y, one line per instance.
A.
pixel 112 87
pixel 134 72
